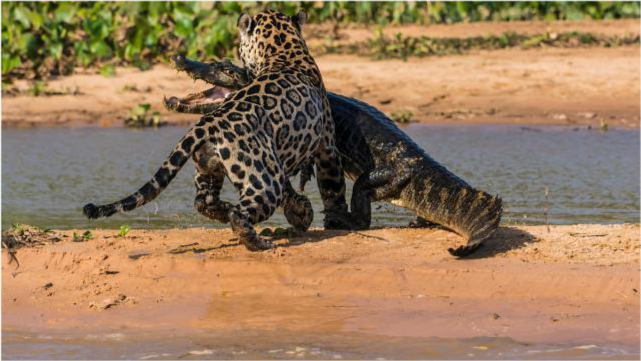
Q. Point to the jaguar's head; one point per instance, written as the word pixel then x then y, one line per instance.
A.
pixel 270 37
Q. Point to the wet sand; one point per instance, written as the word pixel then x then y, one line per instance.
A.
pixel 575 284
pixel 575 86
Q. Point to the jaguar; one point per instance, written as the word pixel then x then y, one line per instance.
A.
pixel 259 136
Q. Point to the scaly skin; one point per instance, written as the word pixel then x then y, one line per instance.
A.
pixel 386 164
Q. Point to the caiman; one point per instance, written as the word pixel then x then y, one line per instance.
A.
pixel 385 163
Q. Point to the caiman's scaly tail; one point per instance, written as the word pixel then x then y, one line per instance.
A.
pixel 477 217
pixel 471 213
pixel 190 143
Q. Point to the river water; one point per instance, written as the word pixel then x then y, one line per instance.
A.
pixel 272 345
pixel 48 174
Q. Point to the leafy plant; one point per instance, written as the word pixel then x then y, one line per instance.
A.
pixel 124 229
pixel 40 39
pixel 87 235
pixel 402 116
pixel 138 117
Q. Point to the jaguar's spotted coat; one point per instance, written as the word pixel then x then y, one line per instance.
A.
pixel 259 136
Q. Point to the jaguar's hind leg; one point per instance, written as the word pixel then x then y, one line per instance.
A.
pixel 260 182
pixel 255 206
pixel 210 176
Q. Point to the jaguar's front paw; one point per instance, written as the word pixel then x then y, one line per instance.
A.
pixel 257 243
pixel 299 213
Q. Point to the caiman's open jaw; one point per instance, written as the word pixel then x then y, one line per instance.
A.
pixel 200 103
pixel 225 77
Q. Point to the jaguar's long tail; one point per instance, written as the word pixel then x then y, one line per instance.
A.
pixel 190 143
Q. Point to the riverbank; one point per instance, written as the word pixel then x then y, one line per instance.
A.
pixel 579 86
pixel 576 285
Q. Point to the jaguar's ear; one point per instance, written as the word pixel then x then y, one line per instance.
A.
pixel 300 19
pixel 245 24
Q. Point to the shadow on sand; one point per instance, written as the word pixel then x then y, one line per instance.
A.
pixel 504 240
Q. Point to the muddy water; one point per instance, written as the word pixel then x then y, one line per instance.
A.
pixel 247 345
pixel 49 174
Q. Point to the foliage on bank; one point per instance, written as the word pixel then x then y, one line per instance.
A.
pixel 40 39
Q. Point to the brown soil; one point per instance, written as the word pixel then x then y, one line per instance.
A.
pixel 574 283
pixel 318 33
pixel 586 86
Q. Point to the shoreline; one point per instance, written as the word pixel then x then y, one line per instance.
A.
pixel 580 88
pixel 576 284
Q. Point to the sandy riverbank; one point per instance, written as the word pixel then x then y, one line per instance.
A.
pixel 575 86
pixel 575 284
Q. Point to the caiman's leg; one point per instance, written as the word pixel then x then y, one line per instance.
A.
pixel 297 208
pixel 331 184
pixel 379 184
pixel 209 182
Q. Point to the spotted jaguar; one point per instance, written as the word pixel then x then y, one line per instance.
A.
pixel 258 137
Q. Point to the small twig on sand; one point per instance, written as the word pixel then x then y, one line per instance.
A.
pixel 12 254
pixel 547 206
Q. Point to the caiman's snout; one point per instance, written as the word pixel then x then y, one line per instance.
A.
pixel 224 76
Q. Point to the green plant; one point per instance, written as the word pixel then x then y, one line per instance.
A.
pixel 138 117
pixel 40 39
pixel 402 116
pixel 402 47
pixel 124 229
pixel 87 235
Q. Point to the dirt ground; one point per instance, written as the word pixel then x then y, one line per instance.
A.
pixel 575 283
pixel 578 86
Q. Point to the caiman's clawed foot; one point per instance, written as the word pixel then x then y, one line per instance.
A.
pixel 341 219
pixel 466 250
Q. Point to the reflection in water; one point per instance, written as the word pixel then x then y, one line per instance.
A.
pixel 251 344
pixel 49 174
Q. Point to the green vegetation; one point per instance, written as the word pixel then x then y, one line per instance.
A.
pixel 138 117
pixel 402 116
pixel 399 46
pixel 87 235
pixel 124 229
pixel 40 39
